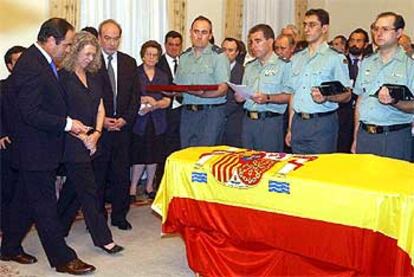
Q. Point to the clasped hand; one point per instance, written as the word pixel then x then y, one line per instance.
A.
pixel 317 96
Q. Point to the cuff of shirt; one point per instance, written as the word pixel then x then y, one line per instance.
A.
pixel 68 125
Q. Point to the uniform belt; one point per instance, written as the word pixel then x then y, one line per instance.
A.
pixel 375 129
pixel 306 116
pixel 196 108
pixel 260 115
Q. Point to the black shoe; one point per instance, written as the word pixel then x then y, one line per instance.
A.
pixel 132 199
pixel 123 225
pixel 23 258
pixel 76 267
pixel 115 249
pixel 150 195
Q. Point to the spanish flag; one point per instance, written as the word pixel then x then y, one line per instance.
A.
pixel 251 213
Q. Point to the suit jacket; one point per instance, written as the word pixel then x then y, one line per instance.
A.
pixel 83 103
pixel 236 77
pixel 42 111
pixel 163 65
pixel 128 94
pixel 3 123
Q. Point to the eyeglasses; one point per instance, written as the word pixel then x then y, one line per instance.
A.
pixel 147 54
pixel 377 29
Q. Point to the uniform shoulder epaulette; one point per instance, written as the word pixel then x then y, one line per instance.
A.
pixel 187 50
pixel 369 55
pixel 283 59
pixel 217 49
pixel 409 55
pixel 336 50
pixel 251 61
pixel 300 50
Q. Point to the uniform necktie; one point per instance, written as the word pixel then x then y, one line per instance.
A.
pixel 111 75
pixel 54 69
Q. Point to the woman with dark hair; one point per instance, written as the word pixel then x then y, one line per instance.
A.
pixel 151 123
pixel 83 95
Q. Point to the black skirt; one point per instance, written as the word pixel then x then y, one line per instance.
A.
pixel 149 148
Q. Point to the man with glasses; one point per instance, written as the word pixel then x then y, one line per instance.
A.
pixel 383 124
pixel 313 122
pixel 203 112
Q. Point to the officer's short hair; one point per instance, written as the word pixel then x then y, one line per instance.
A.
pixel 265 29
pixel 399 22
pixel 360 31
pixel 109 21
pixel 202 18
pixel 173 34
pixel 54 27
pixel 321 14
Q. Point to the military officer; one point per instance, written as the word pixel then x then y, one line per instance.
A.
pixel 383 125
pixel 313 122
pixel 203 112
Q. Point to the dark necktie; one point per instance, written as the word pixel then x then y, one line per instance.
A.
pixel 353 72
pixel 111 75
pixel 178 98
pixel 54 69
pixel 175 65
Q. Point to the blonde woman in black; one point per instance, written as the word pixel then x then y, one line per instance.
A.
pixel 83 95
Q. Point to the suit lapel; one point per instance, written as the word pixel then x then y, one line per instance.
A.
pixel 51 78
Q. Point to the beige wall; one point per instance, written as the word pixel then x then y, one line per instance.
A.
pixel 19 24
pixel 346 15
pixel 214 10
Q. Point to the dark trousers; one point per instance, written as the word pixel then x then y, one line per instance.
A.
pixel 172 140
pixel 111 170
pixel 201 128
pixel 9 178
pixel 80 191
pixel 264 134
pixel 232 131
pixel 316 135
pixel 412 149
pixel 35 201
pixel 172 135
pixel 346 127
pixel 396 144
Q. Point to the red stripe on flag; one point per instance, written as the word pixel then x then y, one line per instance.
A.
pixel 224 240
pixel 217 173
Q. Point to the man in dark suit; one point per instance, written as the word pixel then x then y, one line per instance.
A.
pixel 168 63
pixel 9 173
pixel 40 126
pixel 357 43
pixel 121 100
pixel 234 111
